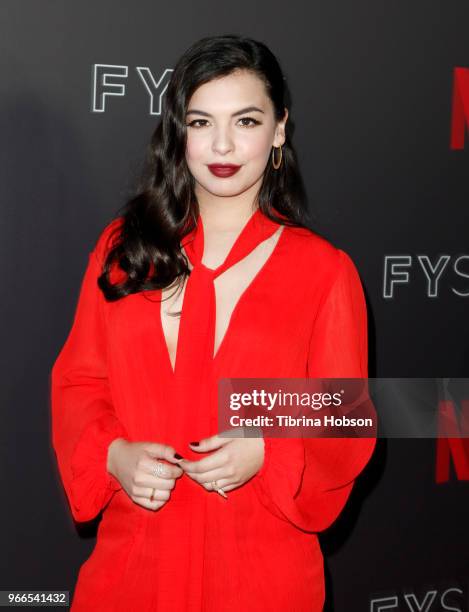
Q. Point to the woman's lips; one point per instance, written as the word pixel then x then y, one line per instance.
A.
pixel 223 170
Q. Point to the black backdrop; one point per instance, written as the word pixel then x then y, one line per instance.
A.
pixel 372 86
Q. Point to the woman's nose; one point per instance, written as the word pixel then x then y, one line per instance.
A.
pixel 222 141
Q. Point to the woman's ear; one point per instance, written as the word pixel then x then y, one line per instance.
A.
pixel 280 130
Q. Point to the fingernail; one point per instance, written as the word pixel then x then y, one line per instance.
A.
pixel 194 443
pixel 178 456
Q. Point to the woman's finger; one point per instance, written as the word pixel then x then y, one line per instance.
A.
pixel 149 505
pixel 149 465
pixel 152 495
pixel 141 489
pixel 146 480
pixel 158 494
pixel 222 483
pixel 216 460
pixel 212 475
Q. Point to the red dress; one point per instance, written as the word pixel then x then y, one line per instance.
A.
pixel 303 315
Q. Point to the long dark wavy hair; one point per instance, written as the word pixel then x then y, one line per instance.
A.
pixel 165 208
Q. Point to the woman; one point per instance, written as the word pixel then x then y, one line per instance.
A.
pixel 192 520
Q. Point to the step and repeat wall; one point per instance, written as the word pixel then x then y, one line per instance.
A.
pixel 380 107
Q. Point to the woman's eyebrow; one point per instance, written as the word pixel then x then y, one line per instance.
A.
pixel 248 109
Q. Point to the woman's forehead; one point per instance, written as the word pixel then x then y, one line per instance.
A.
pixel 230 93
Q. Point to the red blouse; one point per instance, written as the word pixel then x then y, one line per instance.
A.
pixel 303 315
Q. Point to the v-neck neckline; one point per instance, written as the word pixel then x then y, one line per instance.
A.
pixel 198 235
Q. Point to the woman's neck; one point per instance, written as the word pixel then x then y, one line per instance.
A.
pixel 225 219
pixel 222 221
pixel 225 214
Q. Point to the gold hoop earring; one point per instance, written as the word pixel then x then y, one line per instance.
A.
pixel 276 165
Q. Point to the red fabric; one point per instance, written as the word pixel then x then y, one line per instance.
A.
pixel 303 315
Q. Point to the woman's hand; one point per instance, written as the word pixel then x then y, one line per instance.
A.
pixel 134 463
pixel 233 463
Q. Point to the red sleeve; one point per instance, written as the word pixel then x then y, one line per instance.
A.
pixel 307 481
pixel 83 420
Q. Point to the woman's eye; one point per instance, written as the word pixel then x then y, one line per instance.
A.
pixel 254 121
pixel 192 123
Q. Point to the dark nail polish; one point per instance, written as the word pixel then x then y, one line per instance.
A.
pixel 194 443
pixel 178 456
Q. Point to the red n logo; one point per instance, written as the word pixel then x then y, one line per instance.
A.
pixel 457 447
pixel 460 107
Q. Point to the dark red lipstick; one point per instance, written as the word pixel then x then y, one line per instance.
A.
pixel 223 170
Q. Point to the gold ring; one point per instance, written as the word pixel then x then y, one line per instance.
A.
pixel 218 489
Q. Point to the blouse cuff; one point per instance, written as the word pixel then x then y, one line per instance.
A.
pixel 280 476
pixel 92 486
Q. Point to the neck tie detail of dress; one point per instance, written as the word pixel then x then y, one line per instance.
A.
pixel 196 336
